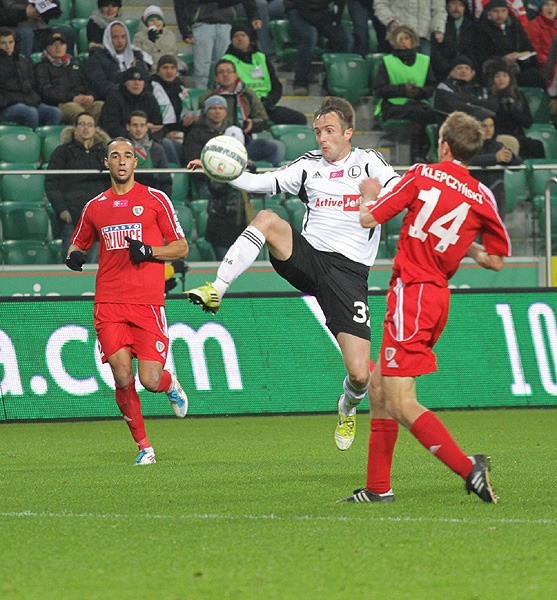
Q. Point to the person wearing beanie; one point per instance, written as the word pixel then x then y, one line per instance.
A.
pixel 154 38
pixel 259 75
pixel 207 26
pixel 461 37
pixel 107 12
pixel 462 91
pixel 502 35
pixel 226 208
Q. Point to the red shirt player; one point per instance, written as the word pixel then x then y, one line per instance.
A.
pixel 132 222
pixel 446 210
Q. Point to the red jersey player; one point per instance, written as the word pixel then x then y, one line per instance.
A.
pixel 132 222
pixel 446 210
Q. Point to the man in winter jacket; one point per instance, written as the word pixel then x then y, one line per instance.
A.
pixel 83 147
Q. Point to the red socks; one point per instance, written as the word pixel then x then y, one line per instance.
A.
pixel 382 440
pixel 432 434
pixel 166 380
pixel 130 407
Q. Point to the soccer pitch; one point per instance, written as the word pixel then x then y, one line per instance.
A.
pixel 244 508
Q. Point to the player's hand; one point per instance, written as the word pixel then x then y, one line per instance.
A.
pixel 75 260
pixel 370 188
pixel 139 252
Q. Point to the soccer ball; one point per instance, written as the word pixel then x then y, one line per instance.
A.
pixel 224 158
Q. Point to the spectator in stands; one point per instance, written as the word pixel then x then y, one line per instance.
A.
pixel 226 210
pixel 426 17
pixel 207 26
pixel 461 37
pixel 105 64
pixel 155 39
pixel 10 17
pixel 174 102
pixel 541 30
pixel 108 11
pixel 462 91
pixel 149 154
pixel 19 101
pixel 502 35
pixel 494 153
pixel 513 113
pixel 361 11
pixel 263 34
pixel 246 111
pixel 60 82
pixel 311 19
pixel 259 75
pixel 32 30
pixel 83 147
pixel 403 83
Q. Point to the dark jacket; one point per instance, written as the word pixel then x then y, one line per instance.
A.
pixel 118 106
pixel 59 83
pixel 103 73
pixel 513 113
pixel 468 96
pixel 493 41
pixel 11 17
pixel 160 181
pixel 17 81
pixel 189 12
pixel 486 157
pixel 71 193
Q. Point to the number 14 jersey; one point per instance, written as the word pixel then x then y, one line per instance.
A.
pixel 446 209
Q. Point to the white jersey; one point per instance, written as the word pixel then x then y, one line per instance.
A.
pixel 332 197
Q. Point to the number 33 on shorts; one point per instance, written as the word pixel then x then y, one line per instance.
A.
pixel 362 312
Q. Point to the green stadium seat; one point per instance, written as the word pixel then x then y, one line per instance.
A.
pixel 374 59
pixel 296 216
pixel 24 221
pixel 284 38
pixel 187 59
pixel 185 216
pixel 269 202
pixel 48 145
pixel 20 148
pixel 132 25
pixel 78 23
pixel 330 57
pixel 26 252
pixel 538 173
pixel 82 9
pixel 205 250
pixel 547 136
pixel 56 254
pixel 279 130
pixel 347 76
pixel 180 188
pixel 82 59
pixel 195 94
pixel 432 132
pixel 194 254
pixel 81 40
pixel 297 144
pixel 516 188
pixel 15 188
pixel 36 57
pixel 539 104
pixel 13 128
pixel 66 7
pixel 201 218
pixel 45 130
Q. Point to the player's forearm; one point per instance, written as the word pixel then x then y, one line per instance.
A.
pixel 367 220
pixel 493 262
pixel 262 183
pixel 176 249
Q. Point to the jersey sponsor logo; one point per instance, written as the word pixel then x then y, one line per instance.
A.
pixel 120 203
pixel 351 202
pixel 137 210
pixel 354 171
pixel 336 174
pixel 113 235
pixel 452 182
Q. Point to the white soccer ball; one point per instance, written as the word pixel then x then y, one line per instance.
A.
pixel 224 158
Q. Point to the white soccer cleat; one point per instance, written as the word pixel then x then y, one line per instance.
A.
pixel 145 457
pixel 178 398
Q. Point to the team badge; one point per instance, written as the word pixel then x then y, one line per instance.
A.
pixel 354 171
pixel 137 210
pixel 160 346
pixel 390 353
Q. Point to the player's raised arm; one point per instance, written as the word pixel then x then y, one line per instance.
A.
pixel 369 188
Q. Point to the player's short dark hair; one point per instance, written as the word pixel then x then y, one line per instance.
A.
pixel 339 106
pixel 138 113
pixel 225 61
pixel 117 139
pixel 463 133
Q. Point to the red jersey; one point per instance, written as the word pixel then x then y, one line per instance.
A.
pixel 447 209
pixel 144 214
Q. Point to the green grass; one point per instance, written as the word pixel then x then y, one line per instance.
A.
pixel 244 508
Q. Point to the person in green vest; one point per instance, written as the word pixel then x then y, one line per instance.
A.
pixel 403 84
pixel 149 154
pixel 258 73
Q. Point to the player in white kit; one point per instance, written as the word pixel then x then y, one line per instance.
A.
pixel 330 258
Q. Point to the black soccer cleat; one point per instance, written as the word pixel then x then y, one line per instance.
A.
pixel 478 481
pixel 363 495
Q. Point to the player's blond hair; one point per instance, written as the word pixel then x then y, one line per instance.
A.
pixel 463 133
pixel 341 107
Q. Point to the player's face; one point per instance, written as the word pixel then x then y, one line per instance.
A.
pixel 121 161
pixel 137 127
pixel 168 72
pixel 119 38
pixel 333 141
pixel 7 43
pixel 241 41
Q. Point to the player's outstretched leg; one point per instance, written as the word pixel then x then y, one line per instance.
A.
pixel 145 457
pixel 178 398
pixel 363 495
pixel 478 481
pixel 205 296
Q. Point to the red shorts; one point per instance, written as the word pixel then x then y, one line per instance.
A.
pixel 416 316
pixel 139 327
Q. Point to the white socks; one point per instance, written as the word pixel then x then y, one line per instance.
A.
pixel 240 256
pixel 351 397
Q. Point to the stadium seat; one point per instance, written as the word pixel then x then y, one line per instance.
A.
pixel 279 130
pixel 538 102
pixel 66 7
pixel 347 76
pixel 194 254
pixel 82 9
pixel 20 148
pixel 132 25
pixel 297 144
pixel 13 128
pixel 201 218
pixel 547 136
pixel 180 188
pixel 296 216
pixel 269 202
pixel 82 59
pixel 205 250
pixel 26 252
pixel 187 58
pixel 329 57
pixel 516 189
pixel 78 23
pixel 9 166
pixel 45 130
pixel 195 94
pixel 24 221
pixel 56 254
pixel 432 132
pixel 538 174
pixel 49 143
pixel 284 38
pixel 185 216
pixel 36 57
pixel 81 39
pixel 15 188
pixel 374 59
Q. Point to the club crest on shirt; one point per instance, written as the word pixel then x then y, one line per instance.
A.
pixel 354 171
pixel 390 353
pixel 137 210
pixel 160 346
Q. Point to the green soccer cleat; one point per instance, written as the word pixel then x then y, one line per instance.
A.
pixel 346 428
pixel 206 296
